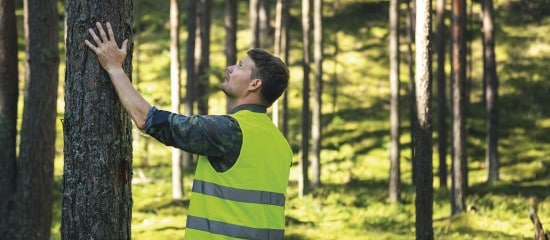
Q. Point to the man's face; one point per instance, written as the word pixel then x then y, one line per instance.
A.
pixel 237 78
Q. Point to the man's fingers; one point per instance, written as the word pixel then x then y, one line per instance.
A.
pixel 90 45
pixel 124 45
pixel 94 36
pixel 102 32
pixel 111 34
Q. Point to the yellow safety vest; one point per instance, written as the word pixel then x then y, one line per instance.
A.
pixel 246 201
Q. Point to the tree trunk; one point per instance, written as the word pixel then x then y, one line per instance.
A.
pixel 491 155
pixel 317 116
pixel 190 87
pixel 97 197
pixel 412 88
pixel 203 74
pixel 264 25
pixel 304 185
pixel 458 193
pixel 441 37
pixel 277 52
pixel 177 171
pixel 254 9
pixel 336 46
pixel 230 22
pixel 284 49
pixel 31 213
pixel 9 92
pixel 423 139
pixel 395 171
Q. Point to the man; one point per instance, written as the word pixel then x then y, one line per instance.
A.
pixel 243 168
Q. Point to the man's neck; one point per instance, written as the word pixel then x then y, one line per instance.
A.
pixel 232 103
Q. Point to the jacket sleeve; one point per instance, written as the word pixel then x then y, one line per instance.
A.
pixel 208 135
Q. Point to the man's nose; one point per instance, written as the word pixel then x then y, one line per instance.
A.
pixel 230 69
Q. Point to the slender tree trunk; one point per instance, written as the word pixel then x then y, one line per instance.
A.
pixel 177 171
pixel 304 185
pixel 284 55
pixel 280 49
pixel 317 115
pixel 412 88
pixel 458 193
pixel 254 23
pixel 203 74
pixel 30 214
pixel 395 171
pixel 264 26
pixel 97 176
pixel 335 45
pixel 423 80
pixel 441 38
pixel 190 87
pixel 230 22
pixel 277 52
pixel 491 156
pixel 9 92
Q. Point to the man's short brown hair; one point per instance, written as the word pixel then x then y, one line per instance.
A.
pixel 272 71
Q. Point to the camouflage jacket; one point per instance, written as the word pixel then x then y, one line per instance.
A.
pixel 217 137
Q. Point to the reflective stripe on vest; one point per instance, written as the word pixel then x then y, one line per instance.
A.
pixel 233 230
pixel 240 195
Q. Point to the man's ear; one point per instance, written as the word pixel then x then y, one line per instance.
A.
pixel 255 84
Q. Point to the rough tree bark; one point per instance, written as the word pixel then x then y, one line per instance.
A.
pixel 97 197
pixel 423 135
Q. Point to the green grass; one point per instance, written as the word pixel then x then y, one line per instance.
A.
pixel 352 202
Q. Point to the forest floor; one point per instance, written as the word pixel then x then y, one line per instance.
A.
pixel 352 201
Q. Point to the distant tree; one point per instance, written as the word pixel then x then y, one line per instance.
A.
pixel 285 47
pixel 203 56
pixel 423 134
pixel 9 92
pixel 395 171
pixel 490 75
pixel 335 44
pixel 412 89
pixel 254 9
pixel 458 57
pixel 177 171
pixel 281 49
pixel 264 24
pixel 26 207
pixel 97 176
pixel 317 116
pixel 304 184
pixel 230 23
pixel 441 38
pixel 190 87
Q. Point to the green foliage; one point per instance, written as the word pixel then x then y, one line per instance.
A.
pixel 352 202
